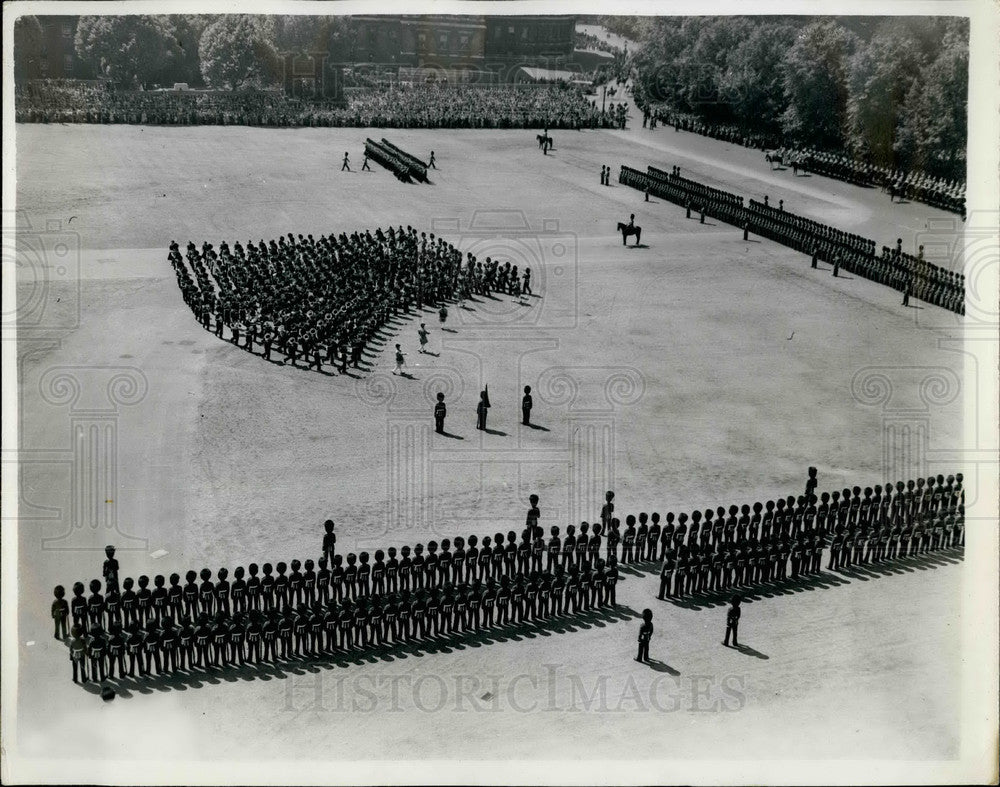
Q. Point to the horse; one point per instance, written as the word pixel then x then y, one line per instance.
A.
pixel 543 139
pixel 626 230
pixel 773 158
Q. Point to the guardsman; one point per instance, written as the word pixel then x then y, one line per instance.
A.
pixel 110 569
pixel 400 360
pixel 628 540
pixel 206 592
pixel 351 577
pixel 254 633
pixel 267 584
pixel 364 164
pixel 322 581
pixel 607 510
pixel 613 539
pixel 811 482
pixel 60 613
pixel 151 649
pixel 526 404
pixel 391 572
pixel 422 336
pixel 481 410
pixel 641 537
pixel 645 635
pixel 95 605
pixel 309 579
pixel 666 573
pixel 329 541
pixel 431 164
pixel 237 639
pixel 190 594
pixel 220 641
pixel 269 635
pixel 347 163
pixel 159 597
pixel 733 622
pixel 470 561
pixel 364 574
pixel 653 540
pixel 97 647
pixel 611 580
pixel 405 570
pixel 77 655
pixel 377 574
pixel 440 412
pixel 337 573
pixel 294 584
pixel 253 588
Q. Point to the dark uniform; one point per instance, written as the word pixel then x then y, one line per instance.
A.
pixel 733 623
pixel 645 635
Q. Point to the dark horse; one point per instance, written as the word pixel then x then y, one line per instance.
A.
pixel 773 158
pixel 543 139
pixel 626 230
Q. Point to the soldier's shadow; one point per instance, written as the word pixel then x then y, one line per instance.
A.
pixel 748 651
pixel 659 666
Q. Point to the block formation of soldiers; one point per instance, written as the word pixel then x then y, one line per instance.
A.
pixel 749 546
pixel 274 613
pixel 322 300
pixel 854 253
pixel 940 192
pixel 394 106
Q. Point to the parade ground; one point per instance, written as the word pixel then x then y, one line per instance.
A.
pixel 693 371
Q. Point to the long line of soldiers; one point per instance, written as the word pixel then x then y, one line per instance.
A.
pixel 322 300
pixel 329 607
pixel 397 106
pixel 752 546
pixel 274 613
pixel 912 275
pixel 940 192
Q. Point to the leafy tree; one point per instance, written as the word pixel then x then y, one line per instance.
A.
pixel 27 48
pixel 933 129
pixel 186 30
pixel 130 50
pixel 753 80
pixel 237 50
pixel 880 76
pixel 815 84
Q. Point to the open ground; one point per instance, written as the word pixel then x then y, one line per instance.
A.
pixel 697 370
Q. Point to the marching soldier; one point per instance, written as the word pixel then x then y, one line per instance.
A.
pixel 481 410
pixel 526 403
pixel 645 635
pixel 733 622
pixel 440 412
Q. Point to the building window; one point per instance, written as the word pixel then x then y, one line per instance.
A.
pixel 510 30
pixel 68 62
pixel 67 30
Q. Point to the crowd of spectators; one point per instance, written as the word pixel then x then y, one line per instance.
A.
pixel 396 106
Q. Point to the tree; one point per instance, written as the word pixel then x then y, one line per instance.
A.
pixel 933 128
pixel 881 74
pixel 752 81
pixel 237 50
pixel 130 50
pixel 187 30
pixel 815 84
pixel 27 48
